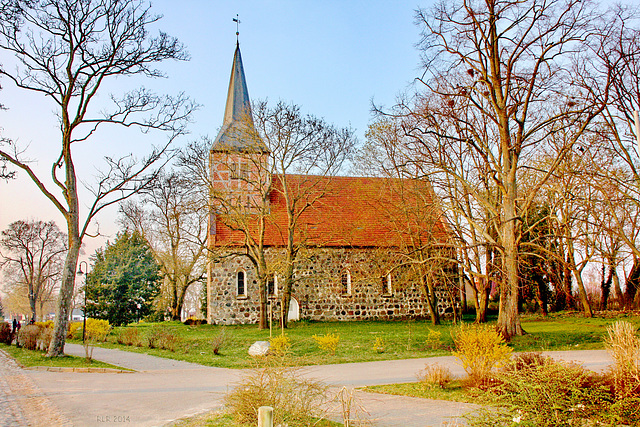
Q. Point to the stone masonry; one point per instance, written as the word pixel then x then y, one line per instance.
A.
pixel 323 290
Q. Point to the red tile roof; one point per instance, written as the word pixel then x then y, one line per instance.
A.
pixel 349 212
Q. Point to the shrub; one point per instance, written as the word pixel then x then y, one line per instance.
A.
pixel 328 342
pixel 5 333
pixel 624 346
pixel 28 336
pixel 129 336
pixel 480 349
pixel 73 329
pixel 159 336
pixel 46 324
pixel 435 375
pixel 526 361
pixel 296 400
pixel 44 338
pixel 433 339
pixel 97 330
pixel 280 345
pixel 192 321
pixel 219 340
pixel 378 346
pixel 548 394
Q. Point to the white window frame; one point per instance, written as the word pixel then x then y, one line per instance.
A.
pixel 387 288
pixel 346 272
pixel 244 284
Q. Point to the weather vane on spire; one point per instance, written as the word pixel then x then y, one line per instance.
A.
pixel 237 21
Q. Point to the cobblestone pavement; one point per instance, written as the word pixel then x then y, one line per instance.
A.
pixel 21 401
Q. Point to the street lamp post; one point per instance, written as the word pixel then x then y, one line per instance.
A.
pixel 84 309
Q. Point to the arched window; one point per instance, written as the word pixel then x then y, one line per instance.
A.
pixel 386 285
pixel 240 284
pixel 345 280
pixel 272 285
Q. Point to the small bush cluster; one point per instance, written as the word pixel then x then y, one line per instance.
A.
pixel 28 336
pixel 5 333
pixel 297 400
pixel 73 330
pixel 433 340
pixel 544 392
pixel 97 330
pixel 378 346
pixel 47 324
pixel 219 341
pixel 328 342
pixel 481 349
pixel 129 336
pixel 159 336
pixel 192 321
pixel 280 345
pixel 435 375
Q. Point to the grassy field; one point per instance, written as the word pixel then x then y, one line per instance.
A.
pixel 30 358
pixel 362 341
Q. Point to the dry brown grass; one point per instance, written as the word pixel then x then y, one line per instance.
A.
pixel 435 375
pixel 296 400
pixel 623 345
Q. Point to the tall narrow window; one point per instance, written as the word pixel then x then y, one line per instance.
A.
pixel 272 285
pixel 386 285
pixel 345 279
pixel 240 284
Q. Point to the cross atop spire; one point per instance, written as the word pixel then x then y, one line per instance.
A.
pixel 237 21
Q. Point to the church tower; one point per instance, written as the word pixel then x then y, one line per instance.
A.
pixel 238 157
pixel 238 162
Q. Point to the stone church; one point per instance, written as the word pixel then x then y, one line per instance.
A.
pixel 366 243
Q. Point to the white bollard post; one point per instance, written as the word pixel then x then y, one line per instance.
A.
pixel 265 416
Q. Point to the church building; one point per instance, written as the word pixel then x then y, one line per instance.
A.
pixel 368 248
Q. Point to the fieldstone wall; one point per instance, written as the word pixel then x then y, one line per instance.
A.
pixel 321 290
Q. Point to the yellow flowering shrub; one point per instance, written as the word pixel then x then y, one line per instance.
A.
pixel 480 349
pixel 280 345
pixel 328 342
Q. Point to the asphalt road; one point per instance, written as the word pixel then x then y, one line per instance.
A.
pixel 162 391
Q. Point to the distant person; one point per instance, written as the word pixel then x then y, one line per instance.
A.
pixel 15 325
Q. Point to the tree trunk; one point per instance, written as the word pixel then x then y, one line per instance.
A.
pixel 65 299
pixel 616 285
pixel 482 301
pixel 582 293
pixel 632 283
pixel 430 297
pixel 508 317
pixel 605 287
pixel 288 289
pixel 32 305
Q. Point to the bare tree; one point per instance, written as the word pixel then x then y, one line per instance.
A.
pixel 67 51
pixel 33 256
pixel 171 215
pixel 313 151
pixel 508 66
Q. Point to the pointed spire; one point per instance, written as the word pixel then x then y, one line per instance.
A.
pixel 238 132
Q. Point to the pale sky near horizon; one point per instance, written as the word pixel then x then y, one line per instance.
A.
pixel 332 58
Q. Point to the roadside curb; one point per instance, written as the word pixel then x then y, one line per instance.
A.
pixel 80 370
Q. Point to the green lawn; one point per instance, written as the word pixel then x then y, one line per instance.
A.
pixel 31 358
pixel 400 340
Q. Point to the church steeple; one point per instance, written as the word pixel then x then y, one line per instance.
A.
pixel 238 131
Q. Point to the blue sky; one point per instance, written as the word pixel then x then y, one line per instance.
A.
pixel 330 57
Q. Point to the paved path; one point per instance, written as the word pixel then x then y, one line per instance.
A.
pixel 163 390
